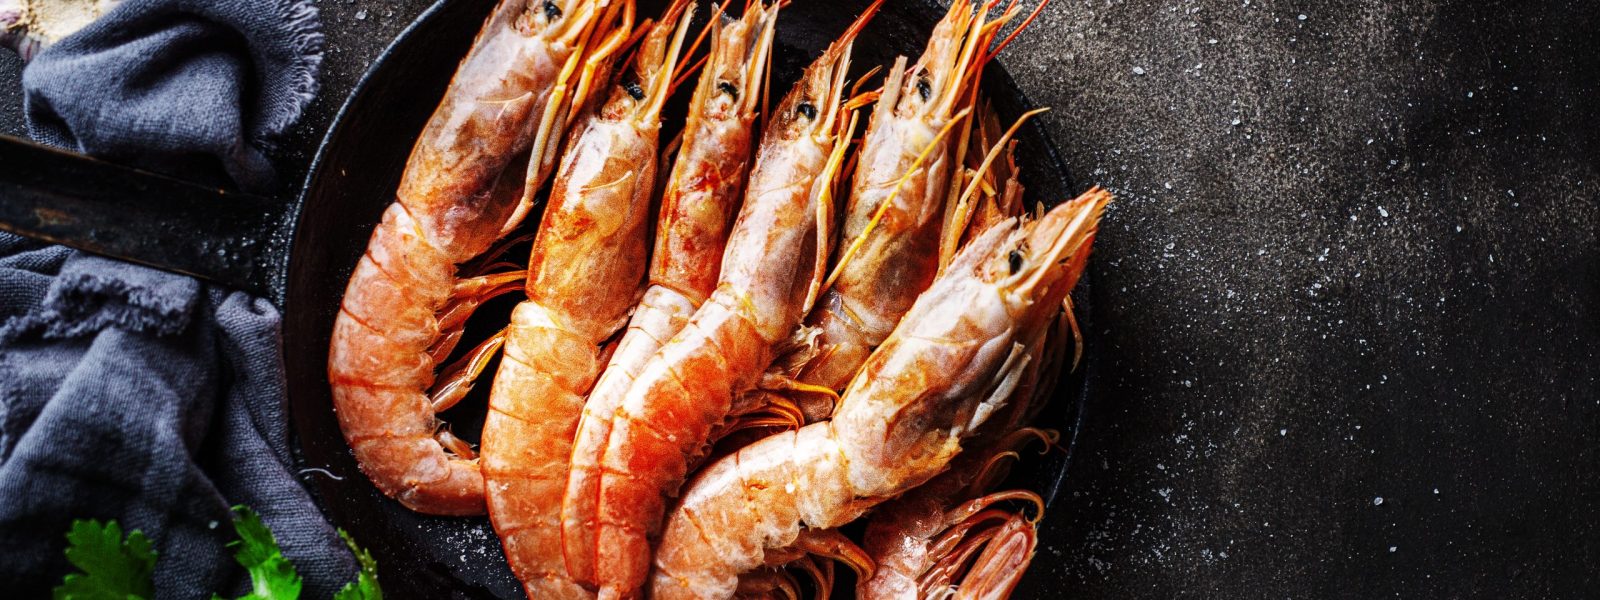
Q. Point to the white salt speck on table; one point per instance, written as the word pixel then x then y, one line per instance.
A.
pixel 1377 501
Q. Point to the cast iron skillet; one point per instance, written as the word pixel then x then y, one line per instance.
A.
pixel 299 252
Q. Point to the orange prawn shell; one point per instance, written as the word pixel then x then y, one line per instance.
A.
pixel 945 371
pixel 889 253
pixel 697 208
pixel 585 274
pixel 687 388
pixel 708 178
pixel 451 204
pixel 588 258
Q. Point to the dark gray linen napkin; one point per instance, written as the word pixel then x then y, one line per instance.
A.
pixel 179 86
pixel 132 394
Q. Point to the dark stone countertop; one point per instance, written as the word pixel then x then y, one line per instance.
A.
pixel 1348 299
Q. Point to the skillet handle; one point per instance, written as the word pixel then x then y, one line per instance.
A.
pixel 228 237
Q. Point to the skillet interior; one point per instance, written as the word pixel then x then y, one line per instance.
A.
pixel 354 178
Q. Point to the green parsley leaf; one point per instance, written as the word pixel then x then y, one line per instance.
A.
pixel 271 575
pixel 111 569
pixel 365 587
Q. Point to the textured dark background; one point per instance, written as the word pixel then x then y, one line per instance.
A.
pixel 1349 297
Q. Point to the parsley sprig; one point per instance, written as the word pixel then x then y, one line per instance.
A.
pixel 113 568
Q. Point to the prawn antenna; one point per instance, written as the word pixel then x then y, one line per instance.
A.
pixel 962 213
pixel 1024 25
pixel 825 202
pixel 713 25
pixel 663 85
pixel 615 39
pixel 759 60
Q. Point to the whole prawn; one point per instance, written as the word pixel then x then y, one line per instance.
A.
pixel 456 196
pixel 896 207
pixel 769 271
pixel 955 359
pixel 587 266
pixel 697 207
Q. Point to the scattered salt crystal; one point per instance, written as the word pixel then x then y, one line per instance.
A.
pixel 1377 501
pixel 1382 212
pixel 1283 432
pixel 361 15
pixel 1235 121
pixel 1393 548
pixel 1302 17
pixel 1138 70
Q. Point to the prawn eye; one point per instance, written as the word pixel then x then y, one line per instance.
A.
pixel 634 90
pixel 924 87
pixel 807 110
pixel 551 11
pixel 727 88
pixel 1015 260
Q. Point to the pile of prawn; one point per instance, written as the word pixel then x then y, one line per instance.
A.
pixel 732 343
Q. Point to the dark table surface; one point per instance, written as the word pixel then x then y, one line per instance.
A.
pixel 1348 299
